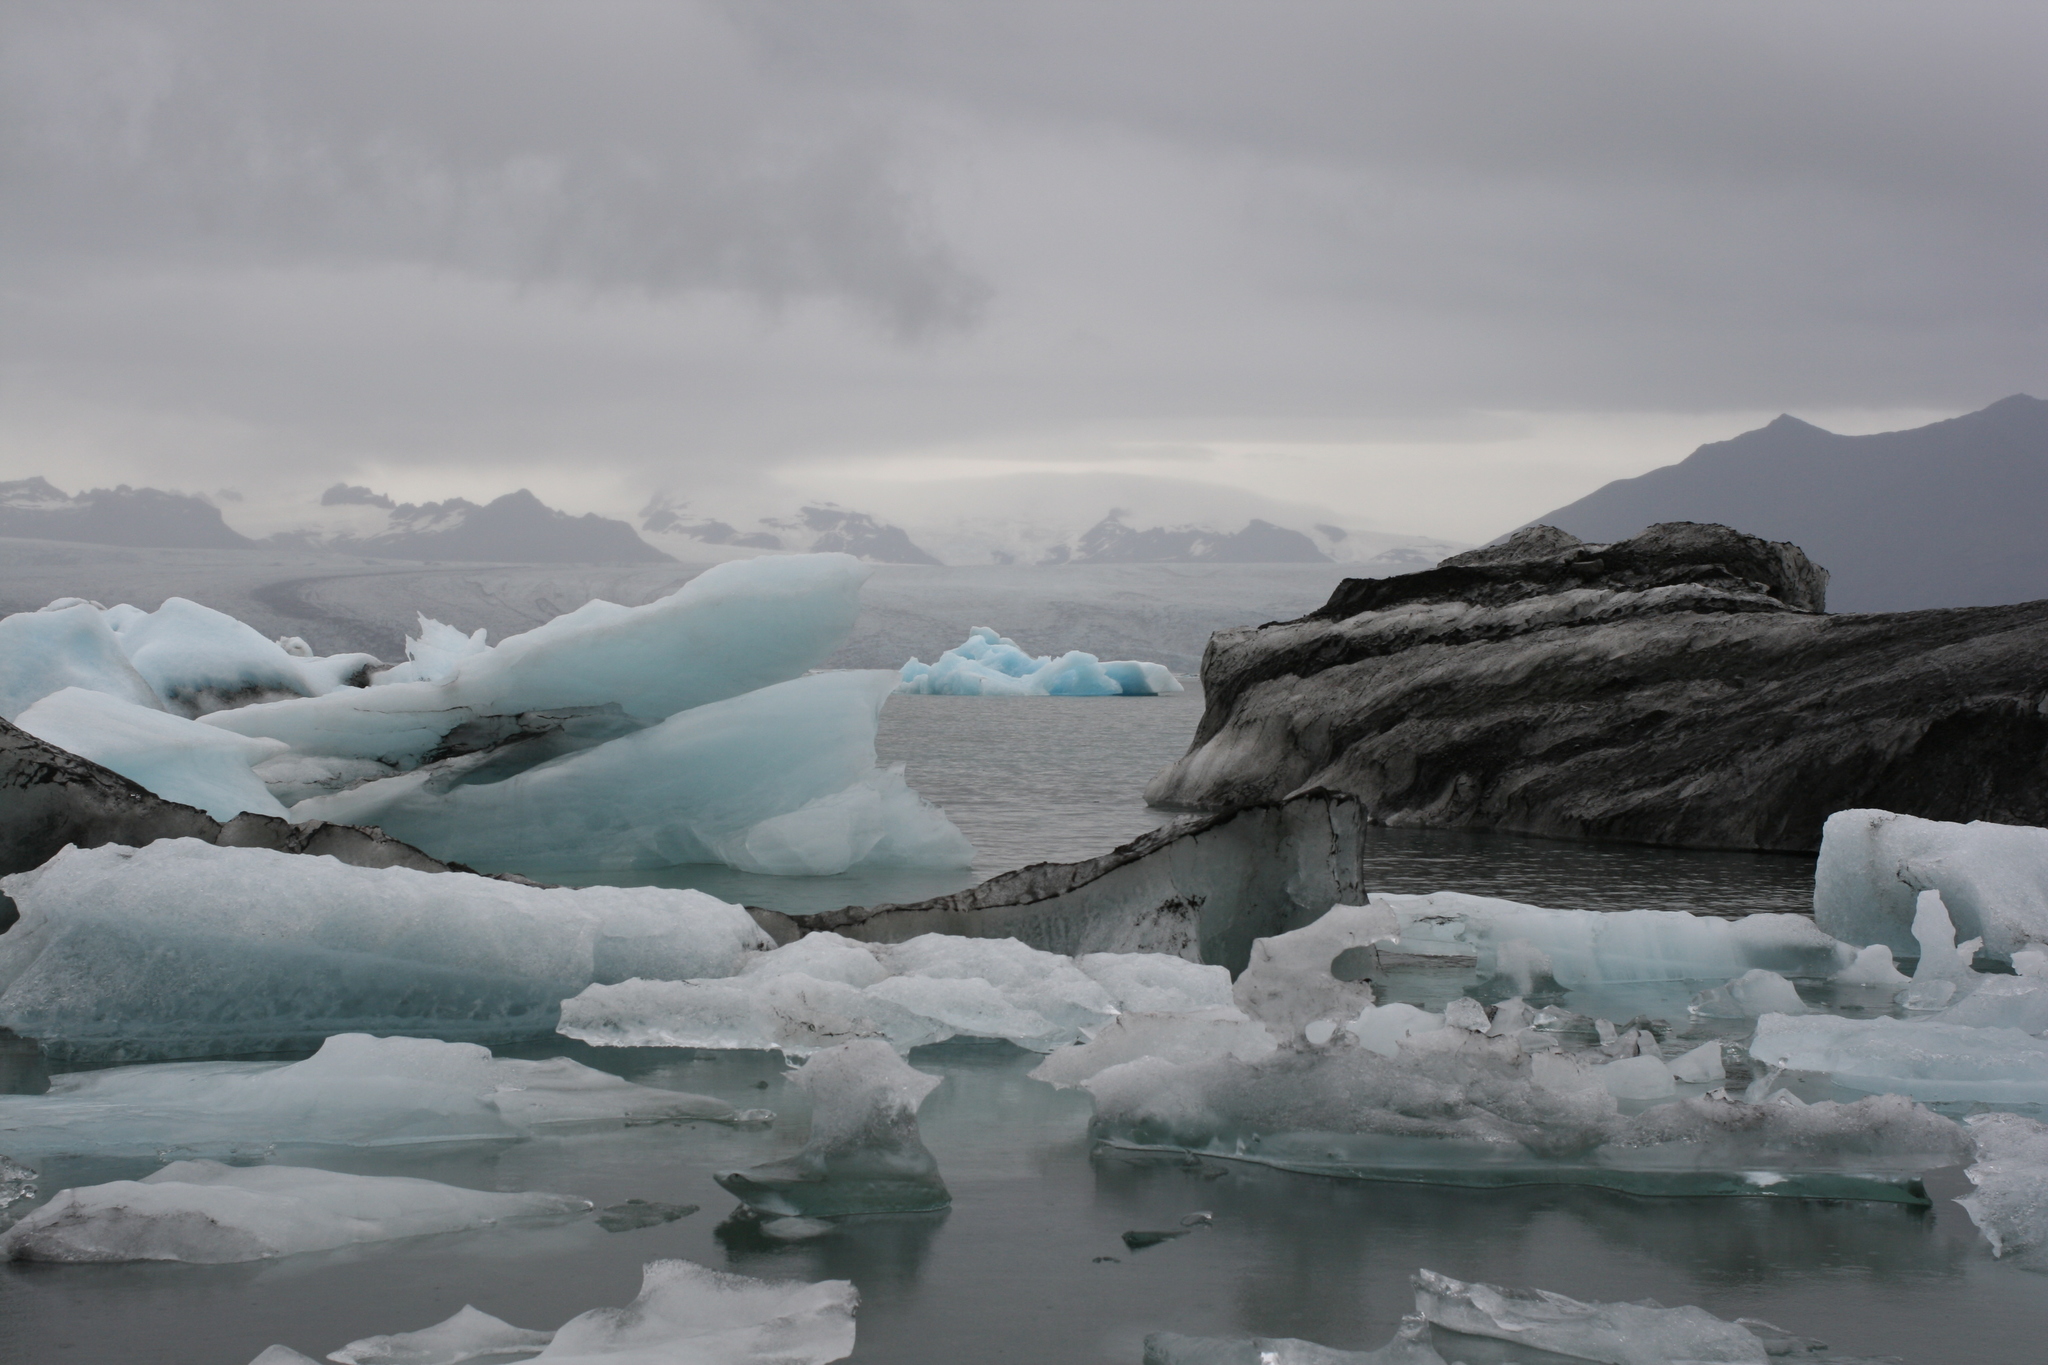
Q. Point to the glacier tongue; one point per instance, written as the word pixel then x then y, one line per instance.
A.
pixel 183 948
pixel 210 1214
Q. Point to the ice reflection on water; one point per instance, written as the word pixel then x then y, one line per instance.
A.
pixel 1010 1272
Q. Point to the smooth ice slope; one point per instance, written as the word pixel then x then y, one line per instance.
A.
pixel 66 644
pixel 989 665
pixel 1613 1333
pixel 781 781
pixel 1873 865
pixel 209 1214
pixel 356 1091
pixel 864 1154
pixel 200 660
pixel 178 759
pixel 183 949
pixel 824 989
pixel 731 630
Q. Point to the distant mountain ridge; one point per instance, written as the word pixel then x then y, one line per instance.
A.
pixel 516 528
pixel 1945 515
pixel 144 518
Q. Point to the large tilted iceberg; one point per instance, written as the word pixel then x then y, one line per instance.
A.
pixel 684 730
pixel 825 989
pixel 686 1314
pixel 208 1214
pixel 1874 865
pixel 183 948
pixel 356 1091
pixel 990 665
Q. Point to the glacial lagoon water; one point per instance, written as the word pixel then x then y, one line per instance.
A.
pixel 1028 1265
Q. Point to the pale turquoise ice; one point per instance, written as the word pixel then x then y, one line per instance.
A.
pixel 990 665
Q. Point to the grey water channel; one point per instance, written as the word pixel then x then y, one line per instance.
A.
pixel 1028 1265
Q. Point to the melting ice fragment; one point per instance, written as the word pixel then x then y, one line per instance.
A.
pixel 1753 994
pixel 184 948
pixel 2010 1205
pixel 17 1182
pixel 1611 1333
pixel 209 1214
pixel 1296 978
pixel 465 1336
pixel 686 1312
pixel 989 665
pixel 356 1091
pixel 1410 1346
pixel 864 1154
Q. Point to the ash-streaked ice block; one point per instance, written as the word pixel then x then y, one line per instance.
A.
pixel 990 665
pixel 356 1091
pixel 209 1214
pixel 825 989
pixel 182 948
pixel 864 1154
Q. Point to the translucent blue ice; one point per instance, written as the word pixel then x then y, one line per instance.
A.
pixel 989 665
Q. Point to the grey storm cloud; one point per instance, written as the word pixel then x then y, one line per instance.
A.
pixel 665 236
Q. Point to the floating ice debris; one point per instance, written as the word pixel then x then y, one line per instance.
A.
pixel 62 646
pixel 356 1091
pixel 282 1355
pixel 209 1214
pixel 1929 1060
pixel 686 1312
pixel 1612 1333
pixel 1702 1065
pixel 864 1154
pixel 635 1214
pixel 781 780
pixel 1137 1239
pixel 1410 1346
pixel 1307 974
pixel 1873 967
pixel 796 1229
pixel 1874 864
pixel 178 759
pixel 988 665
pixel 2010 1205
pixel 1753 994
pixel 1188 1037
pixel 183 948
pixel 469 1334
pixel 17 1182
pixel 825 989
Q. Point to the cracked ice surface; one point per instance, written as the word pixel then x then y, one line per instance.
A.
pixel 990 665
pixel 824 989
pixel 356 1091
pixel 209 1214
pixel 183 948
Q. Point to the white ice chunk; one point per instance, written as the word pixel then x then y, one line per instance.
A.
pixel 864 1154
pixel 1410 1346
pixel 989 665
pixel 1190 1037
pixel 46 651
pixel 1586 947
pixel 17 1182
pixel 282 1355
pixel 200 660
pixel 1873 967
pixel 178 759
pixel 183 948
pixel 1382 1027
pixel 1874 864
pixel 1749 996
pixel 780 781
pixel 210 1214
pixel 2011 1002
pixel 467 1335
pixel 1612 1333
pixel 1926 1059
pixel 434 654
pixel 2010 1205
pixel 824 989
pixel 687 1314
pixel 1637 1078
pixel 1701 1066
pixel 1315 972
pixel 356 1091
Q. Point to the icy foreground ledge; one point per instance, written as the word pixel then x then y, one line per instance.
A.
pixel 685 1314
pixel 209 1214
pixel 182 948
pixel 990 665
pixel 825 989
pixel 356 1091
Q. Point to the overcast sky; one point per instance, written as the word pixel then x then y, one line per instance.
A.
pixel 1437 266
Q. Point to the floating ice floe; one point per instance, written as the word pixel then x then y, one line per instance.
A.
pixel 2010 1205
pixel 1410 1346
pixel 356 1091
pixel 183 948
pixel 989 665
pixel 864 1154
pixel 1874 865
pixel 685 1314
pixel 825 989
pixel 209 1214
pixel 178 759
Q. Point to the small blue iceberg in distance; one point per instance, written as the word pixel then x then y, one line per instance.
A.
pixel 989 665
